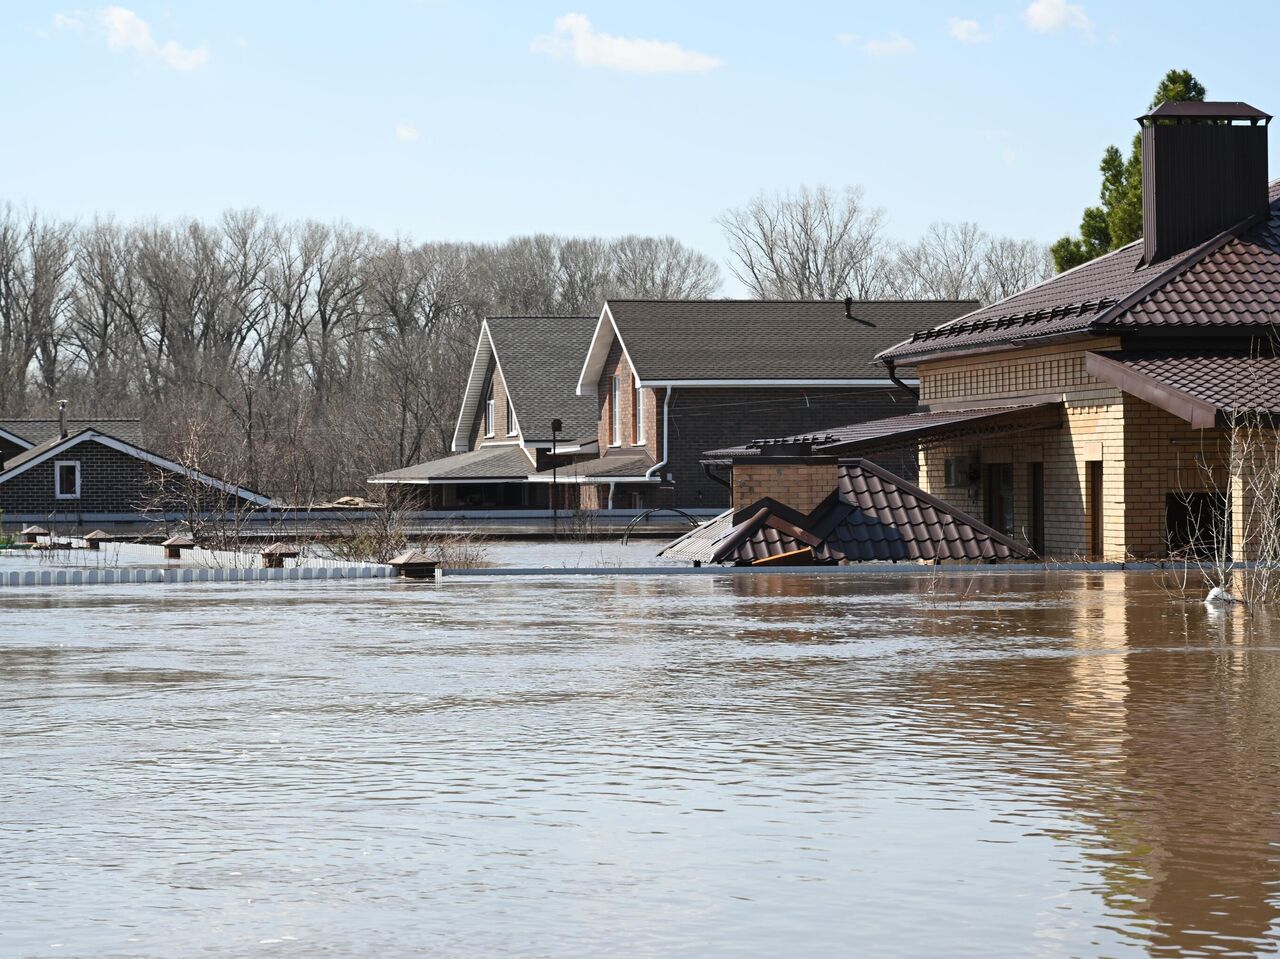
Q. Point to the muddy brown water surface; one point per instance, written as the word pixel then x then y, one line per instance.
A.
pixel 998 765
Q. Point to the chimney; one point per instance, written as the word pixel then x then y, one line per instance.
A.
pixel 1204 169
pixel 848 307
pixel 62 418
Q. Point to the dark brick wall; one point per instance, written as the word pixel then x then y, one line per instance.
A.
pixel 110 482
pixel 705 419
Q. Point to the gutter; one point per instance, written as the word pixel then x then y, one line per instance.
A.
pixel 666 435
pixel 893 375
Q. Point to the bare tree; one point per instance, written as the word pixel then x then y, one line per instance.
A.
pixel 808 244
pixel 959 261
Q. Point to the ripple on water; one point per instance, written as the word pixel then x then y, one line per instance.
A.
pixel 996 765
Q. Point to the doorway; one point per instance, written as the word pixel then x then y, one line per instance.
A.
pixel 999 497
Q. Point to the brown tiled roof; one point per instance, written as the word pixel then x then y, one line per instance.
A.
pixel 1232 281
pixel 769 339
pixel 872 515
pixel 1220 381
pixel 897 431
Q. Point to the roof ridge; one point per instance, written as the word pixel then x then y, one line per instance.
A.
pixel 824 302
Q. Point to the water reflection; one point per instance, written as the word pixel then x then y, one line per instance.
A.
pixel 1010 764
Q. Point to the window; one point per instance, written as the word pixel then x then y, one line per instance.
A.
pixel 1197 525
pixel 488 411
pixel 615 425
pixel 66 479
pixel 511 418
pixel 637 415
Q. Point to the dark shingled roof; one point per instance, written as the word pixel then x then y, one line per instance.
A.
pixel 498 463
pixel 762 339
pixel 873 515
pixel 613 465
pixel 897 431
pixel 1230 282
pixel 39 431
pixel 541 357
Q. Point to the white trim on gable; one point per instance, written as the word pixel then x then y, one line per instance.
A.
pixel 598 354
pixel 471 395
pixel 22 441
pixel 137 452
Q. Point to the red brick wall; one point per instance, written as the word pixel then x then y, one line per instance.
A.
pixel 477 436
pixel 616 365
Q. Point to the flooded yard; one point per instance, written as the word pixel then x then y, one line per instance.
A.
pixel 1010 765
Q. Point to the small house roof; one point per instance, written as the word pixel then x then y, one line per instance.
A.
pixel 872 515
pixel 33 531
pixel 282 549
pixel 98 534
pixel 414 557
pixel 179 540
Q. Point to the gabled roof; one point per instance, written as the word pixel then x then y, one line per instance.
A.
pixel 539 357
pixel 60 445
pixel 757 342
pixel 33 432
pixel 1229 282
pixel 872 515
pixel 486 464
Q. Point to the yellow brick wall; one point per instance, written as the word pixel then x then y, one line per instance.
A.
pixel 1146 452
pixel 802 486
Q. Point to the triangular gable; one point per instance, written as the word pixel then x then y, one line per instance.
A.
pixel 601 343
pixel 33 458
pixel 472 397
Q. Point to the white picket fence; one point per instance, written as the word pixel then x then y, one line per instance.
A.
pixel 126 574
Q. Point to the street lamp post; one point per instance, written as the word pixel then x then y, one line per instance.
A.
pixel 556 427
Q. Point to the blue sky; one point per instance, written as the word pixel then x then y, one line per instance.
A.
pixel 475 121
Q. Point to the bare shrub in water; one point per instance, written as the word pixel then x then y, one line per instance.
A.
pixel 375 539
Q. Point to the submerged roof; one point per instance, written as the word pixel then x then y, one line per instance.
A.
pixel 872 515
pixel 1230 282
pixel 743 341
pixel 507 463
pixel 897 431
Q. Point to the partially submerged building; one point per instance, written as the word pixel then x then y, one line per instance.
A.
pixel 1098 415
pixel 82 474
pixel 641 391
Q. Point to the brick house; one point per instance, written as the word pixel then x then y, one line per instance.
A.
pixel 642 390
pixel 673 378
pixel 521 381
pixel 83 474
pixel 1096 414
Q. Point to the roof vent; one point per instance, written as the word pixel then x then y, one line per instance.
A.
pixel 1204 169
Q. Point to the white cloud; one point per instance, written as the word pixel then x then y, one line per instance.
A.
pixel 575 39
pixel 406 132
pixel 1048 16
pixel 68 21
pixel 895 46
pixel 966 31
pixel 127 31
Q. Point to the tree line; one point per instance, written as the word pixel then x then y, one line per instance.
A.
pixel 301 357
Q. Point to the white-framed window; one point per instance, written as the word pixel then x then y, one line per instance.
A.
pixel 615 424
pixel 511 417
pixel 66 479
pixel 637 415
pixel 488 411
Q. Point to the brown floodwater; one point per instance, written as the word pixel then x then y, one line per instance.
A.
pixel 999 765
